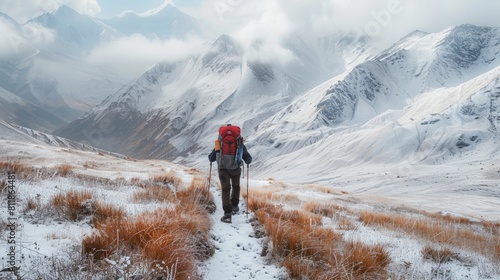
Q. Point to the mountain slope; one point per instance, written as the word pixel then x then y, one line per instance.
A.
pixel 417 64
pixel 50 74
pixel 16 110
pixel 189 99
pixel 76 34
pixel 443 126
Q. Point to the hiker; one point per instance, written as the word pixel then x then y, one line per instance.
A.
pixel 229 152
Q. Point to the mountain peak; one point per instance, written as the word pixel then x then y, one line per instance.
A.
pixel 65 11
pixel 226 44
pixel 165 9
pixel 163 22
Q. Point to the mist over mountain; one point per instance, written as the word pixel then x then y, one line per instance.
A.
pixel 309 93
pixel 163 23
pixel 286 111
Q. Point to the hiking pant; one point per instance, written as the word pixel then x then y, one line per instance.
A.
pixel 230 184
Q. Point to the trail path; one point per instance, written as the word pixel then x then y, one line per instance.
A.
pixel 238 251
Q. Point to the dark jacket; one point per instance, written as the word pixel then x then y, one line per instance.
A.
pixel 213 156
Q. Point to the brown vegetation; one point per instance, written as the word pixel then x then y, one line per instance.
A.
pixel 71 204
pixel 440 256
pixel 435 231
pixel 154 193
pixel 170 178
pixel 65 169
pixel 13 167
pixel 174 238
pixel 310 251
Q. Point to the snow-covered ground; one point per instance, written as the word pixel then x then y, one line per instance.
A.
pixel 462 190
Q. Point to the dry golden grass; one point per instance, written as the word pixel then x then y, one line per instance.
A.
pixel 32 204
pixel 65 169
pixel 448 218
pixel 167 236
pixel 309 251
pixel 325 189
pixel 154 193
pixel 324 209
pixel 491 227
pixel 71 204
pixel 440 256
pixel 13 167
pixel 345 224
pixel 197 195
pixel 103 211
pixel 171 237
pixel 366 260
pixel 170 178
pixel 435 231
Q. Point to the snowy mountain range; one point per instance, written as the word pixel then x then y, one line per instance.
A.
pixel 164 22
pixel 337 130
pixel 43 62
pixel 332 91
pixel 360 105
pixel 189 99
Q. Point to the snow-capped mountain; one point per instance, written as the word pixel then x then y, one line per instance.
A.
pixel 43 61
pixel 75 34
pixel 417 64
pixel 172 102
pixel 174 109
pixel 163 23
pixel 48 72
pixel 441 126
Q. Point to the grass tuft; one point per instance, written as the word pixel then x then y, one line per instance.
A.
pixel 71 204
pixel 439 256
pixel 309 251
pixel 363 259
pixel 13 167
pixel 170 178
pixel 171 239
pixel 65 169
pixel 153 193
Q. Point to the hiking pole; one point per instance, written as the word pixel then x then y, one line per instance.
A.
pixel 209 177
pixel 248 179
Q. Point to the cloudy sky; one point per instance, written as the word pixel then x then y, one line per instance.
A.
pixel 270 20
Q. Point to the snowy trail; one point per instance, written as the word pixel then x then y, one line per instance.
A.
pixel 238 251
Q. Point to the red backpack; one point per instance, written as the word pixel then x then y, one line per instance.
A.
pixel 230 140
pixel 229 137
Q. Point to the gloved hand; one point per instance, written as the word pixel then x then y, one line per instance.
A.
pixel 248 160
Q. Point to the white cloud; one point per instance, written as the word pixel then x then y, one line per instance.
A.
pixel 38 35
pixel 131 56
pixel 384 20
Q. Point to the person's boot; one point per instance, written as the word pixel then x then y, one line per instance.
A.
pixel 236 210
pixel 226 218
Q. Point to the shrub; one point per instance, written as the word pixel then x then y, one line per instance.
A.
pixel 309 251
pixel 13 167
pixel 65 169
pixel 171 240
pixel 440 256
pixel 363 259
pixel 71 204
pixel 170 178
